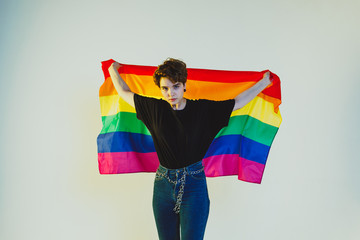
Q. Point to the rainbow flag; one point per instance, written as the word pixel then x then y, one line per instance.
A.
pixel 125 144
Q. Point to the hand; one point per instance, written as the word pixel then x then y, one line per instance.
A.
pixel 115 65
pixel 266 77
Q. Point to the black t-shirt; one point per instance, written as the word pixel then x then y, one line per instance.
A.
pixel 182 137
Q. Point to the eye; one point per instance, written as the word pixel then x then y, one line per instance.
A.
pixel 176 86
pixel 164 88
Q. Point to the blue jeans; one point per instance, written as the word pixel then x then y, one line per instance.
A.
pixel 191 205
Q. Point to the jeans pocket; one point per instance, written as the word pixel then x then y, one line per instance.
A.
pixel 198 176
pixel 158 178
pixel 159 175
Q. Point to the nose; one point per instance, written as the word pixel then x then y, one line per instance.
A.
pixel 170 92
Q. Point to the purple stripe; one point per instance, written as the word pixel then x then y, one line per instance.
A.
pixel 232 164
pixel 215 166
pixel 127 162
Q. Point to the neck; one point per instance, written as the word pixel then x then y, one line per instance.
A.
pixel 180 106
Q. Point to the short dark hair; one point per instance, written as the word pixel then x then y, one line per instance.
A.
pixel 173 69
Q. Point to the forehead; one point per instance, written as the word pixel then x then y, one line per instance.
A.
pixel 165 82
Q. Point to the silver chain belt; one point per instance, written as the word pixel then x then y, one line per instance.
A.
pixel 182 186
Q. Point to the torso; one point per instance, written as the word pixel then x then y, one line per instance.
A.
pixel 182 137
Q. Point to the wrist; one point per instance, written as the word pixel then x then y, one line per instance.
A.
pixel 267 81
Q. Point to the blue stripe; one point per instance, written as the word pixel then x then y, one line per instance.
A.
pixel 230 144
pixel 125 142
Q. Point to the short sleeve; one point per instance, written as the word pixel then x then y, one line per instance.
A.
pixel 144 106
pixel 147 109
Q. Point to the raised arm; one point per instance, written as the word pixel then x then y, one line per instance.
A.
pixel 245 97
pixel 120 85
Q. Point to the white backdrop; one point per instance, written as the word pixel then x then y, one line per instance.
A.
pixel 50 57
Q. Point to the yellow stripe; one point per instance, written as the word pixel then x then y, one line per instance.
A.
pixel 262 110
pixel 111 105
pixel 257 108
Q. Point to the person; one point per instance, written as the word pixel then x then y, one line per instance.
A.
pixel 182 131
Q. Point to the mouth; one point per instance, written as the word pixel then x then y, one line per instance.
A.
pixel 172 99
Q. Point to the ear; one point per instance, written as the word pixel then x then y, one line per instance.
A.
pixel 184 87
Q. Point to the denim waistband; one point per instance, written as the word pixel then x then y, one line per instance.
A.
pixel 191 168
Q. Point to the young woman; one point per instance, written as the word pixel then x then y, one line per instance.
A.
pixel 182 131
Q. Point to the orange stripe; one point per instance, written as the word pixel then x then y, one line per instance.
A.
pixel 107 88
pixel 215 91
pixel 144 85
pixel 273 100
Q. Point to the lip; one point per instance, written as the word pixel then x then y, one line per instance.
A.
pixel 172 99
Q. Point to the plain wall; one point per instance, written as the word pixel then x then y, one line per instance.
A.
pixel 50 53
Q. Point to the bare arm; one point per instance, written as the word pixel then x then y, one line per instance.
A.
pixel 120 85
pixel 245 97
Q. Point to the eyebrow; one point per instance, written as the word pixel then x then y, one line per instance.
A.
pixel 175 84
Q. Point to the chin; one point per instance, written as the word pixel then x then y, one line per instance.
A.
pixel 173 103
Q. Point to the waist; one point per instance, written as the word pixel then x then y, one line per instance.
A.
pixel 178 176
pixel 195 167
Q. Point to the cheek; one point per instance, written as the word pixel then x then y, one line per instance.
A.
pixel 164 93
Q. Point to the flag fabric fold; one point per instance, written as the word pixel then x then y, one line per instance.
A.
pixel 125 144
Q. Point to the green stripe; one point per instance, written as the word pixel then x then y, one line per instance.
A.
pixel 128 123
pixel 251 128
pixel 245 125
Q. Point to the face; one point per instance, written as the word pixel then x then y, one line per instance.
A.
pixel 172 92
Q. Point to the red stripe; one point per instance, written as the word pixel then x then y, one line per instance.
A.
pixel 105 67
pixel 128 69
